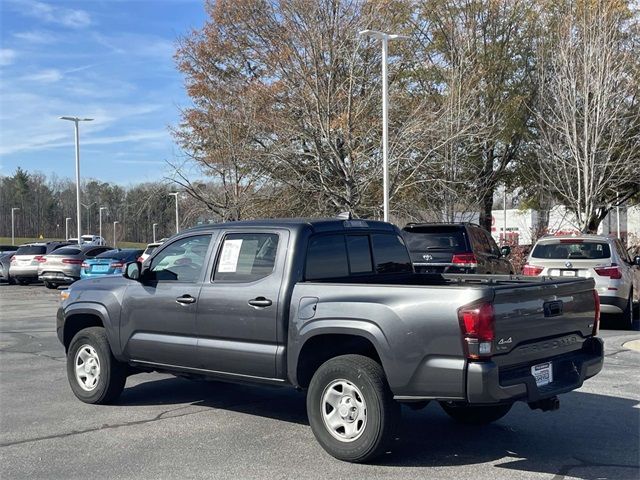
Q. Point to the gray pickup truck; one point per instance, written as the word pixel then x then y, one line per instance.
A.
pixel 332 307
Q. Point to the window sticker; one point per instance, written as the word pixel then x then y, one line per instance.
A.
pixel 229 256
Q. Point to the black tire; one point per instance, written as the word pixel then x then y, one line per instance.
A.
pixel 625 319
pixel 112 374
pixel 50 285
pixel 475 415
pixel 382 413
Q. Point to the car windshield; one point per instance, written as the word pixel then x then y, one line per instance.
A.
pixel 435 238
pixel 66 251
pixel 31 250
pixel 572 249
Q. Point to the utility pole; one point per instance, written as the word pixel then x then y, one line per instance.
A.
pixel 66 228
pixel 384 37
pixel 76 120
pixel 114 233
pixel 100 220
pixel 175 194
pixel 13 233
pixel 154 231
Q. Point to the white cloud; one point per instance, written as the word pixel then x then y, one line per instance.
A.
pixel 7 56
pixel 46 12
pixel 50 75
pixel 36 36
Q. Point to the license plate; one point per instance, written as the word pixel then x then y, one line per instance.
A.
pixel 100 268
pixel 543 373
pixel 568 273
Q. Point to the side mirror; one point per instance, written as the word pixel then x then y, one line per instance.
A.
pixel 505 251
pixel 132 271
pixel 636 260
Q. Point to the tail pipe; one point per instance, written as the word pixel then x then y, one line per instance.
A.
pixel 546 405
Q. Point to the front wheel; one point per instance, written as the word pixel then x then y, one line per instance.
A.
pixel 94 374
pixel 351 408
pixel 50 285
pixel 475 415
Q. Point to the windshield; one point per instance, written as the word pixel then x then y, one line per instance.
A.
pixel 435 238
pixel 572 249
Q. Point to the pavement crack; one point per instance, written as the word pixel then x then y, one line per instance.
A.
pixel 41 355
pixel 160 416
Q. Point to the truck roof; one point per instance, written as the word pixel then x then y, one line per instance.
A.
pixel 315 224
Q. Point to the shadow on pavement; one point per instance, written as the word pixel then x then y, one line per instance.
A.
pixel 591 436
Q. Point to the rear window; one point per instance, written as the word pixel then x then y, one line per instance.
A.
pixel 119 254
pixel 335 256
pixel 426 239
pixel 572 249
pixel 66 251
pixel 31 250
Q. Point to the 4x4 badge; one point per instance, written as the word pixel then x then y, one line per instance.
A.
pixel 504 342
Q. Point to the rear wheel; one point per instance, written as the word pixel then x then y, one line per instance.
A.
pixel 475 415
pixel 50 285
pixel 351 408
pixel 93 372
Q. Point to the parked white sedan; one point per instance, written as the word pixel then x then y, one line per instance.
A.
pixel 593 256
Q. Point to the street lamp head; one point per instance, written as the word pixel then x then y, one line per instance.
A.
pixel 76 119
pixel 381 35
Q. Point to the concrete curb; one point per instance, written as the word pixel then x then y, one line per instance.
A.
pixel 633 345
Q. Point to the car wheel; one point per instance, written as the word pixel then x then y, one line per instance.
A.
pixel 50 285
pixel 626 317
pixel 22 282
pixel 94 374
pixel 351 408
pixel 475 415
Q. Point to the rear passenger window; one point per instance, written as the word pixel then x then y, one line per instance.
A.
pixel 359 254
pixel 326 258
pixel 246 257
pixel 390 254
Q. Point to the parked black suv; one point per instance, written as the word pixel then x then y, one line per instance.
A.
pixel 455 248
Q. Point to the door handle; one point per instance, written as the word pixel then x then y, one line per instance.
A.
pixel 260 302
pixel 185 300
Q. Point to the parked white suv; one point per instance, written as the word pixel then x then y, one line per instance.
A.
pixel 593 256
pixel 89 240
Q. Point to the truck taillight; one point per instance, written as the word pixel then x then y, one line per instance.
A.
pixel 477 325
pixel 465 259
pixel 531 270
pixel 596 319
pixel 612 272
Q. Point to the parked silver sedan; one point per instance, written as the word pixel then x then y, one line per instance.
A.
pixel 593 256
pixel 62 267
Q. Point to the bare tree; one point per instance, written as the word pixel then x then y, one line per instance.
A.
pixel 589 123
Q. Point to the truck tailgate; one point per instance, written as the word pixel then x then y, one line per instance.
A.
pixel 538 321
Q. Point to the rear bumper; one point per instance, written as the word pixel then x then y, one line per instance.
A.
pixel 487 383
pixel 59 278
pixel 609 304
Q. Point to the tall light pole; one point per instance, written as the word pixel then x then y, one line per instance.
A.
pixel 100 220
pixel 114 233
pixel 384 37
pixel 13 221
pixel 175 194
pixel 66 228
pixel 154 231
pixel 88 207
pixel 76 120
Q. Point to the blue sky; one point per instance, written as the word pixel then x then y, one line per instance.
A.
pixel 111 60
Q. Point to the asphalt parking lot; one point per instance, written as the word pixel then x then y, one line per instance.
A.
pixel 165 427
